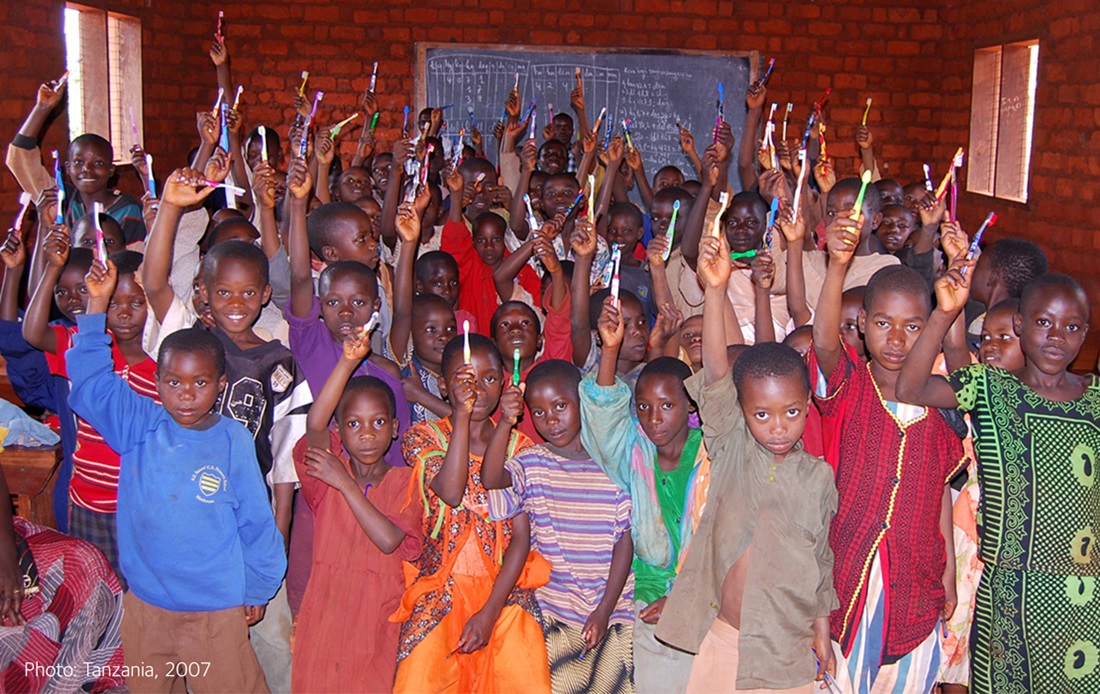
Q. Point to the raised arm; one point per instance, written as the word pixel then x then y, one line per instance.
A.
pixel 298 184
pixel 746 155
pixel 693 230
pixel 843 237
pixel 449 484
pixel 763 276
pixel 402 150
pixel 36 320
pixel 687 144
pixel 611 330
pixel 493 474
pixel 517 211
pixel 15 259
pixel 583 241
pixel 794 232
pixel 408 229
pixel 714 270
pixel 916 384
pixel 184 188
pixel 634 161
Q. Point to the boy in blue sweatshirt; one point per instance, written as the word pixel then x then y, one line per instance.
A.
pixel 196 534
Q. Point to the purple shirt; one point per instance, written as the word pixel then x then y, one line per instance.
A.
pixel 317 354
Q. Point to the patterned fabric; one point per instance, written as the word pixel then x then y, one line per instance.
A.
pixel 577 516
pixel 861 673
pixel 430 380
pixel 606 669
pixel 94 484
pixel 447 532
pixel 73 622
pixel 890 479
pixel 101 530
pixel 1037 618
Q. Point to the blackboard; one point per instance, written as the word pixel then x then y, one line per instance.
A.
pixel 655 89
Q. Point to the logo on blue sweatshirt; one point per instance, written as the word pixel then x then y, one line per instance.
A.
pixel 211 481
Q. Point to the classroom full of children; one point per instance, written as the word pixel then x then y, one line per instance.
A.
pixel 437 419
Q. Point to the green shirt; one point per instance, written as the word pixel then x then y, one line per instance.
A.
pixel 654 582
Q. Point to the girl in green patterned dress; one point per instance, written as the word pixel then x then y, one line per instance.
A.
pixel 1036 433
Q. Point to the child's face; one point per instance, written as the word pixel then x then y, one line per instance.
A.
pixel 553 157
pixel 84 236
pixel 661 215
pixel 667 178
pixel 202 309
pixel 624 233
pixel 188 384
pixel 556 412
pixel 636 335
pixel 912 194
pixel 891 326
pixel 1000 346
pixel 842 199
pixel 127 310
pixel 691 339
pixel 1052 326
pixel 897 225
pixel 663 407
pixel 562 126
pixel 489 242
pixel 534 189
pixel 890 191
pixel 442 280
pixel 431 214
pixel 90 166
pixel 380 172
pixel 557 196
pixel 71 293
pixel 775 408
pixel 235 294
pixel 373 210
pixel 744 226
pixel 353 184
pixel 366 426
pixel 347 302
pixel 850 307
pixel 254 155
pixel 242 231
pixel 488 381
pixel 515 329
pixel 432 328
pixel 352 239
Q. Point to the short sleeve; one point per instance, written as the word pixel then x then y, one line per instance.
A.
pixel 967 383
pixel 829 395
pixel 424 453
pixel 507 503
pixel 622 514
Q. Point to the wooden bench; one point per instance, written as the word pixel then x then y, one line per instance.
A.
pixel 31 474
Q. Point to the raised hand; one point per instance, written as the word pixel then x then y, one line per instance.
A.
pixel 864 138
pixel 357 345
pixel 842 236
pixel 543 250
pixel 655 251
pixel 264 184
pixel 763 270
pixel 408 224
pixel 209 128
pixel 298 180
pixel 953 240
pixel 714 266
pixel 100 282
pixel 511 403
pixel 185 187
pixel 217 167
pixel 56 246
pixel 464 394
pixel 218 53
pixel 610 325
pixel 583 240
pixel 12 252
pixel 49 93
pixel 953 287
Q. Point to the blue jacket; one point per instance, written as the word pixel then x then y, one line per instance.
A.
pixel 195 530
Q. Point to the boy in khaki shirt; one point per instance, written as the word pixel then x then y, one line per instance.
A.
pixel 759 571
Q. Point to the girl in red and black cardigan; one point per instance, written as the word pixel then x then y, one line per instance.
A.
pixel 894 570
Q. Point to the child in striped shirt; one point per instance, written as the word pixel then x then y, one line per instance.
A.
pixel 580 522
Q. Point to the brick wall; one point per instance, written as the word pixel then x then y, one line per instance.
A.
pixel 1063 210
pixel 914 58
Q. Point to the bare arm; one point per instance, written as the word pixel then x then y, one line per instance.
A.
pixel 714 270
pixel 746 155
pixel 298 185
pixel 843 236
pixel 36 320
pixel 493 474
pixel 408 228
pixel 584 248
